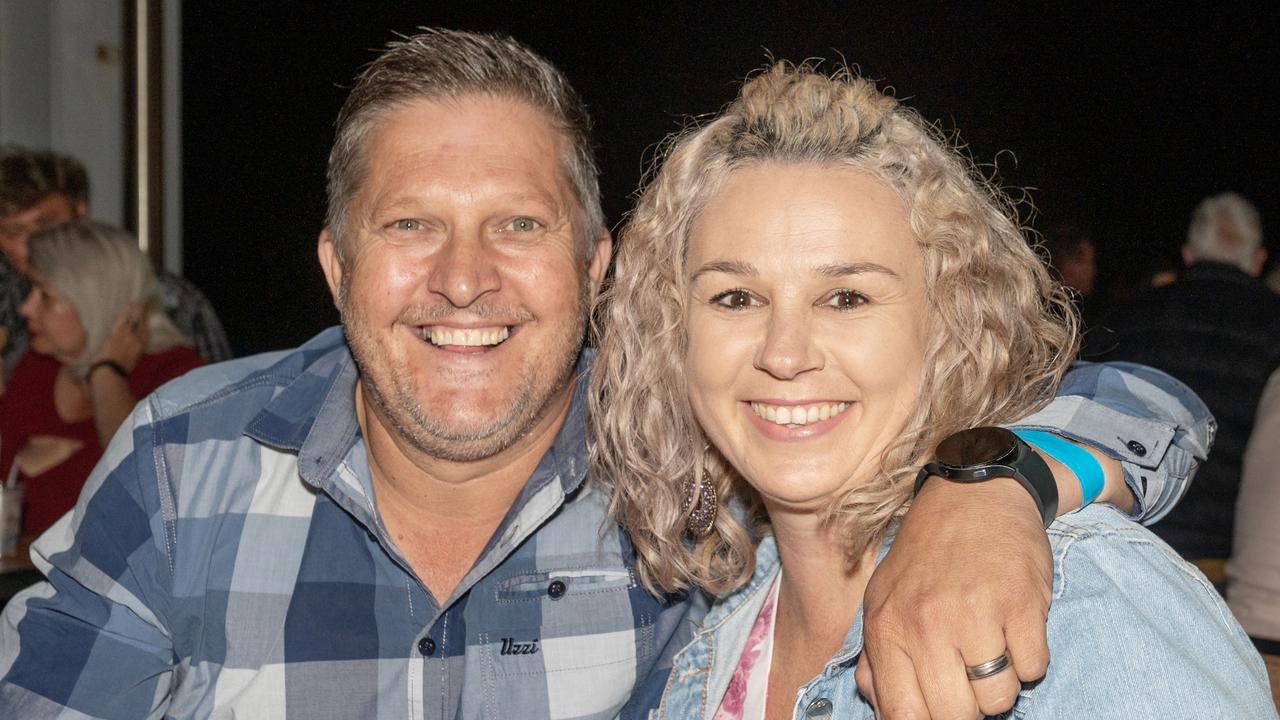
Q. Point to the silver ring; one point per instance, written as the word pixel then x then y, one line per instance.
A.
pixel 988 668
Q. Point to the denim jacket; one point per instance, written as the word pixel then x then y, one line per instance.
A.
pixel 1134 632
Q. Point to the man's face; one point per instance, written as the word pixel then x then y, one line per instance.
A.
pixel 466 284
pixel 16 229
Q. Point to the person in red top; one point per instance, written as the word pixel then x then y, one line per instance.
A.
pixel 100 341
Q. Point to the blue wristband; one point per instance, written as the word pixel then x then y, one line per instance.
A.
pixel 1086 468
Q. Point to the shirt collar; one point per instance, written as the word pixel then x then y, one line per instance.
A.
pixel 323 433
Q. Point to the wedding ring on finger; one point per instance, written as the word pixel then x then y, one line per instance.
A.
pixel 988 668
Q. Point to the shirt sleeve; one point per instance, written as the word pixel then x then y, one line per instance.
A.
pixel 1157 428
pixel 1136 633
pixel 1253 571
pixel 92 639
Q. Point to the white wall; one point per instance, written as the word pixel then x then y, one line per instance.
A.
pixel 62 87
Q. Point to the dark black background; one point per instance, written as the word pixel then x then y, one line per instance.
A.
pixel 1118 120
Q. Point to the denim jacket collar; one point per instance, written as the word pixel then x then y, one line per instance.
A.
pixel 702 670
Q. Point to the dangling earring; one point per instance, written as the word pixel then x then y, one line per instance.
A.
pixel 701 503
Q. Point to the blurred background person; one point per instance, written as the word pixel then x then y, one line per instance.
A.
pixel 99 341
pixel 41 190
pixel 1216 328
pixel 1253 572
pixel 1073 261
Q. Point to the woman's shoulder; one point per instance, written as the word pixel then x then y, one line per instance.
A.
pixel 157 368
pixel 1135 631
pixel 1100 555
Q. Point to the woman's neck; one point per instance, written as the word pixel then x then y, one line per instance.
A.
pixel 821 590
pixel 818 598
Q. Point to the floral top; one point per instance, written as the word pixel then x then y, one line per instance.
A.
pixel 748 691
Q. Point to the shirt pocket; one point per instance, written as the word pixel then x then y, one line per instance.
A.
pixel 566 637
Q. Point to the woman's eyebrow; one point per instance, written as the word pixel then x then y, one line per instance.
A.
pixel 729 267
pixel 837 270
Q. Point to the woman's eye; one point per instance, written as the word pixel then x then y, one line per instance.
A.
pixel 733 299
pixel 847 299
pixel 523 224
pixel 408 225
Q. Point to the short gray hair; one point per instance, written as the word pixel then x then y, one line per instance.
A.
pixel 1238 248
pixel 439 63
pixel 99 269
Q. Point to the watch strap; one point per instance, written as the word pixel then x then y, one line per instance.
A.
pixel 1033 473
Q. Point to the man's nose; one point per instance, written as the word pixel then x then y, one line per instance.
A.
pixel 464 269
pixel 788 348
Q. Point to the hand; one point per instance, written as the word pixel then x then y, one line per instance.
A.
pixel 969 577
pixel 128 338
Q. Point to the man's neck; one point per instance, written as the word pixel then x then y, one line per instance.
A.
pixel 441 513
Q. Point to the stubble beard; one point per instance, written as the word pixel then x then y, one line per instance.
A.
pixel 392 393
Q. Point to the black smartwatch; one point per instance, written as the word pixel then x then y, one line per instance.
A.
pixel 984 453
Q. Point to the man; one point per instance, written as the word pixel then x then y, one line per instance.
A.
pixel 394 521
pixel 1218 329
pixel 40 190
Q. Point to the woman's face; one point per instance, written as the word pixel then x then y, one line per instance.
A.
pixel 806 327
pixel 55 327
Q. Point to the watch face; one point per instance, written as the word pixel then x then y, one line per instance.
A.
pixel 979 446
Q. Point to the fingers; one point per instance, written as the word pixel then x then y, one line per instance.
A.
pixel 1027 640
pixel 996 692
pixel 947 691
pixel 893 670
pixel 866 680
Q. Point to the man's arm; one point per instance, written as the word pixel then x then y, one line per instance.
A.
pixel 92 640
pixel 970 577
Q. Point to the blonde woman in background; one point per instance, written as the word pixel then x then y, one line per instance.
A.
pixel 813 293
pixel 100 341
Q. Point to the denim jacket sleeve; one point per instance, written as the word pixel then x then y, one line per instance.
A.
pixel 1157 428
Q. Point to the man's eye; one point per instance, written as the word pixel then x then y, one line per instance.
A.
pixel 733 299
pixel 847 299
pixel 408 225
pixel 523 224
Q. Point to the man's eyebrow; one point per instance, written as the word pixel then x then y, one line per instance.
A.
pixel 838 270
pixel 729 267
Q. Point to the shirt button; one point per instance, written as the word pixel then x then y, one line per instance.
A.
pixel 556 589
pixel 820 709
pixel 1136 448
pixel 426 646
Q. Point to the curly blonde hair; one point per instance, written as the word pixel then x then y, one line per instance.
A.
pixel 1001 331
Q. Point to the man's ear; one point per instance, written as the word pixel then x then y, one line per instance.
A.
pixel 330 262
pixel 599 263
pixel 81 209
pixel 1188 256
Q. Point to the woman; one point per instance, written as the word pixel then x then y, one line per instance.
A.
pixel 814 292
pixel 100 341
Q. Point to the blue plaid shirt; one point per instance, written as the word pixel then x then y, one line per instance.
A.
pixel 226 560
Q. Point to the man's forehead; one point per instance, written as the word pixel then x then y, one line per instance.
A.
pixel 475 122
pixel 504 143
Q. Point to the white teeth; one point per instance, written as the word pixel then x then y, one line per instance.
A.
pixel 470 337
pixel 798 415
